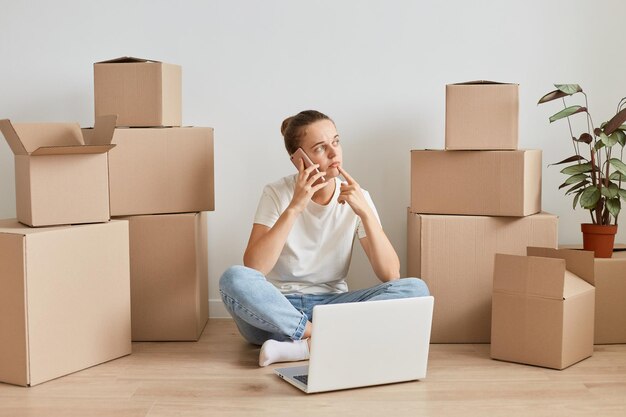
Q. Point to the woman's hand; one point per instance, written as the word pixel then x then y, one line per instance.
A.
pixel 351 193
pixel 377 247
pixel 304 186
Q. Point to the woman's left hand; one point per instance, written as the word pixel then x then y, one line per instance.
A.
pixel 351 193
pixel 377 247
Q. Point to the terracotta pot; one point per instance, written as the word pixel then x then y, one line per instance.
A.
pixel 599 238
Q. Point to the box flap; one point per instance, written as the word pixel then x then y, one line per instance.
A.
pixel 59 138
pixel 574 286
pixel 125 60
pixel 528 275
pixel 36 135
pixel 578 262
pixel 483 82
pixel 71 150
pixel 102 132
pixel 12 138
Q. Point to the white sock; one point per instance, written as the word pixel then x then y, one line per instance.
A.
pixel 289 351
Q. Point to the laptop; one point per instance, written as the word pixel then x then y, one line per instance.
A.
pixel 366 343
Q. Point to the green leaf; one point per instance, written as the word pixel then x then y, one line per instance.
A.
pixel 577 169
pixel 569 89
pixel 570 159
pixel 622 193
pixel 616 176
pixel 590 197
pixel 599 145
pixel 573 180
pixel 615 122
pixel 577 186
pixel 576 197
pixel 618 165
pixel 552 95
pixel 620 137
pixel 567 112
pixel 614 206
pixel 610 191
pixel 608 140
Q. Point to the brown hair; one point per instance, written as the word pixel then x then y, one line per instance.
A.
pixel 293 127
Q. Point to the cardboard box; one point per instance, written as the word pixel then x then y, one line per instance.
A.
pixel 168 170
pixel 543 307
pixel 610 313
pixel 64 299
pixel 142 92
pixel 485 183
pixel 609 279
pixel 454 255
pixel 482 115
pixel 61 173
pixel 169 276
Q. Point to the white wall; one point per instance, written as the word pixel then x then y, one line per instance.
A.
pixel 379 68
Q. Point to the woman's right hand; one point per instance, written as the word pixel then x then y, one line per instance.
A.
pixel 304 186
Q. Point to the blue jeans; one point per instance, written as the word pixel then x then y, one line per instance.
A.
pixel 262 312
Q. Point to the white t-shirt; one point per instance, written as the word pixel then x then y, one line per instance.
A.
pixel 317 253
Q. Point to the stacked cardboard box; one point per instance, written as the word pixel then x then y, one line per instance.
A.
pixel 141 92
pixel 61 171
pixel 168 276
pixel 64 284
pixel 454 255
pixel 161 181
pixel 69 273
pixel 479 197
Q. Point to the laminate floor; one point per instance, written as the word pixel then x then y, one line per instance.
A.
pixel 219 376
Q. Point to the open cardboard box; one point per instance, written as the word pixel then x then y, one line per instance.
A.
pixel 482 115
pixel 61 171
pixel 543 307
pixel 142 92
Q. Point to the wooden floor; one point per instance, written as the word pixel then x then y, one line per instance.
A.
pixel 219 376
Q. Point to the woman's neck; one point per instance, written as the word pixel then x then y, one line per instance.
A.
pixel 323 196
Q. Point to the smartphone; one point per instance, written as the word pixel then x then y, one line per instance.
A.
pixel 298 155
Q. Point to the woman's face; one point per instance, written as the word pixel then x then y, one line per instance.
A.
pixel 320 141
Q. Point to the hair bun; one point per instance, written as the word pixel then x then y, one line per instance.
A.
pixel 285 125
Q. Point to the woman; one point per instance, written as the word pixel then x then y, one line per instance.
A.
pixel 300 247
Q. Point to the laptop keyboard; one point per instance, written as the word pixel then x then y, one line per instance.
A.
pixel 302 378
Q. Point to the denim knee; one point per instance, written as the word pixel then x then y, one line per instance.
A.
pixel 233 280
pixel 413 287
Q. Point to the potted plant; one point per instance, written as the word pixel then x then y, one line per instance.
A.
pixel 594 179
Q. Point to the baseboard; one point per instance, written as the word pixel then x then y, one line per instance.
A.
pixel 217 310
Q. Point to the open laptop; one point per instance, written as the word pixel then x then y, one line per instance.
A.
pixel 367 343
